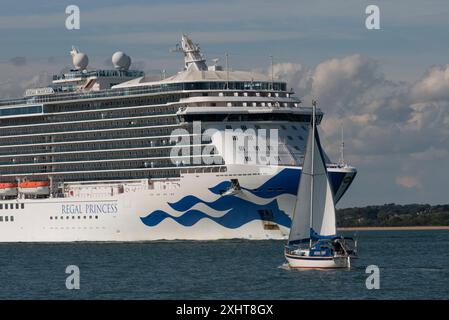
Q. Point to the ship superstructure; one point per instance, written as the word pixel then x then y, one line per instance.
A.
pixel 108 155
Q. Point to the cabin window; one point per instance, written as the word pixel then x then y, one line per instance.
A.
pixel 1 205
pixel 1 219
pixel 11 218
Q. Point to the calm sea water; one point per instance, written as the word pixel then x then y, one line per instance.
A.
pixel 413 265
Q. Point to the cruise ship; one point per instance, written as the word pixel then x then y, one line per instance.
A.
pixel 111 155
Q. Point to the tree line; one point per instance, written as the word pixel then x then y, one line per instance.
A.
pixel 394 215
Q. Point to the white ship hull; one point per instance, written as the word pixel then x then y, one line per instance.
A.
pixel 189 208
pixel 297 262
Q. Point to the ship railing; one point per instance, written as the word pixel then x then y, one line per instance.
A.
pixel 87 127
pixel 162 166
pixel 118 92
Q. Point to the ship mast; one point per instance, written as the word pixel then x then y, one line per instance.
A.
pixel 193 59
pixel 312 169
pixel 341 161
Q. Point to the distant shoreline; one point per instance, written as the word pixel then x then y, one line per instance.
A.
pixel 394 228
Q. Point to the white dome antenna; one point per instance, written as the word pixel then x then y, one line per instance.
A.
pixel 121 61
pixel 80 60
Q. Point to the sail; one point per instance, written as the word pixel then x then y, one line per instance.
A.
pixel 313 176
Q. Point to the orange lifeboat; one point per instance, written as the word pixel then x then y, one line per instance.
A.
pixel 34 184
pixel 8 189
pixel 39 188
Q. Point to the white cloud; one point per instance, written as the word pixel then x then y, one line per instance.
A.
pixel 434 85
pixel 395 132
pixel 408 182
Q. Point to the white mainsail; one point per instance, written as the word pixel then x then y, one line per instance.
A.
pixel 315 208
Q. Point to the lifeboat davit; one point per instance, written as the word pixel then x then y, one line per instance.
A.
pixel 8 189
pixel 39 188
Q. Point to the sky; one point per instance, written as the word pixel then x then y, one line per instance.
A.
pixel 387 88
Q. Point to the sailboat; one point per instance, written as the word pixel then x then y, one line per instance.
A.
pixel 313 240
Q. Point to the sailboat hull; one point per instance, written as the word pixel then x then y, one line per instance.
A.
pixel 306 262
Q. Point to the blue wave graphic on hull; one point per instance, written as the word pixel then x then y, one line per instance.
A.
pixel 241 212
pixel 286 181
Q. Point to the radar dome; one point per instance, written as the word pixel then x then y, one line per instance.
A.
pixel 79 59
pixel 121 61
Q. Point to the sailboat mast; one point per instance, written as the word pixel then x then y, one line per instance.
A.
pixel 312 169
